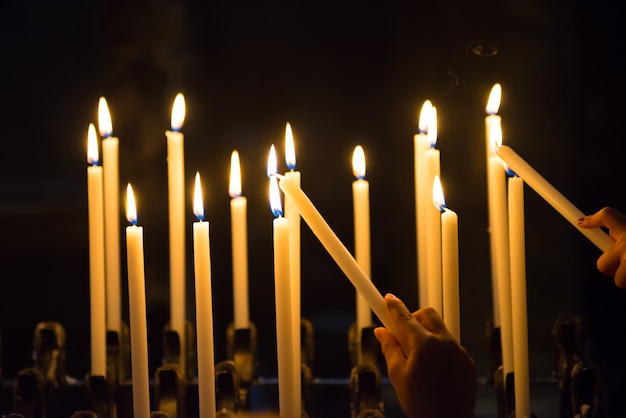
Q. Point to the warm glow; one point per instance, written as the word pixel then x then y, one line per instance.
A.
pixel 178 112
pixel 493 104
pixel 198 207
pixel 275 205
pixel 495 135
pixel 104 118
pixel 358 162
pixel 432 127
pixel 234 187
pixel 438 199
pixel 272 163
pixel 131 207
pixel 425 116
pixel 93 157
pixel 290 150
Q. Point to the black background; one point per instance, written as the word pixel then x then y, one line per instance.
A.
pixel 354 72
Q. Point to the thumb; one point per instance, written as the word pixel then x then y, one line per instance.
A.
pixel 391 349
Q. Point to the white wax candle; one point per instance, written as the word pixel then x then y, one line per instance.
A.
pixel 289 395
pixel 176 205
pixel 110 170
pixel 361 209
pixel 518 297
pixel 137 311
pixel 239 244
pixel 204 307
pixel 433 217
pixel 422 199
pixel 551 195
pixel 96 257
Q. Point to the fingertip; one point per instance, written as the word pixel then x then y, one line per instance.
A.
pixel 581 220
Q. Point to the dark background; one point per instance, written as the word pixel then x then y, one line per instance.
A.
pixel 355 72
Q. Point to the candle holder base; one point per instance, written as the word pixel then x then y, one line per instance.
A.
pixel 99 394
pixel 85 414
pixel 49 352
pixel 307 343
pixel 229 395
pixel 365 391
pixel 29 393
pixel 585 398
pixel 364 348
pixel 169 390
pixel 495 351
pixel 505 392
pixel 172 349
pixel 241 349
pixel 118 355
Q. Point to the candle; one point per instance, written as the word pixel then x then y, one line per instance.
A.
pixel 176 205
pixel 110 172
pixel 500 230
pixel 421 144
pixel 96 257
pixel 551 195
pixel 493 169
pixel 137 310
pixel 449 262
pixel 204 307
pixel 361 208
pixel 292 215
pixel 239 242
pixel 433 219
pixel 518 297
pixel 289 396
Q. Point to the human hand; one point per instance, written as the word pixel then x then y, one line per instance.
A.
pixel 438 378
pixel 613 261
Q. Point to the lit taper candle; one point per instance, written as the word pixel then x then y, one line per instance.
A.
pixel 239 242
pixel 433 219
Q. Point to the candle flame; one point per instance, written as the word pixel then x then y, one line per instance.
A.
pixel 272 163
pixel 104 118
pixel 290 150
pixel 495 135
pixel 93 157
pixel 495 96
pixel 275 204
pixel 131 206
pixel 432 127
pixel 178 112
pixel 358 162
pixel 424 118
pixel 438 199
pixel 198 207
pixel 234 187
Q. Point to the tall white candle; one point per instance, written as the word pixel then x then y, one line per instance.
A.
pixel 204 307
pixel 551 195
pixel 289 396
pixel 239 243
pixel 422 197
pixel 518 297
pixel 96 256
pixel 137 311
pixel 361 209
pixel 493 105
pixel 449 263
pixel 110 172
pixel 176 205
pixel 433 219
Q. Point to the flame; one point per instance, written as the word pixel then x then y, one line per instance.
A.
pixel 432 127
pixel 275 205
pixel 131 206
pixel 198 207
pixel 358 162
pixel 178 112
pixel 495 135
pixel 438 198
pixel 104 118
pixel 495 96
pixel 234 187
pixel 424 116
pixel 272 163
pixel 290 150
pixel 93 157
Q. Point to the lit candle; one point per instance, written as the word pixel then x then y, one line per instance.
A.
pixel 204 307
pixel 449 262
pixel 421 145
pixel 518 297
pixel 96 256
pixel 239 238
pixel 500 230
pixel 110 172
pixel 551 195
pixel 493 169
pixel 289 396
pixel 433 219
pixel 176 199
pixel 137 310
pixel 361 208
